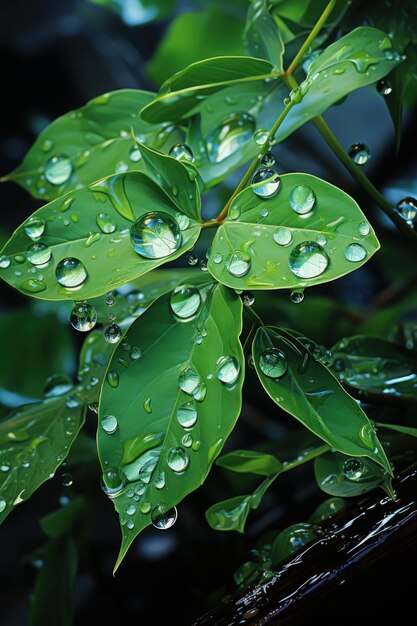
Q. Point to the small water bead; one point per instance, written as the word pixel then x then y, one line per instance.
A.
pixel 200 393
pixel 189 381
pixel 130 509
pixel 70 272
pixel 273 363
pixel 359 153
pixel 113 379
pixel 5 466
pixel 383 87
pixel 234 132
pixel 238 263
pixel 283 236
pixel 178 459
pixel 109 424
pixel 261 136
pixel 297 296
pixel 266 183
pixel 135 353
pixel 187 415
pixel 302 199
pixel 234 212
pixel 67 480
pixel 182 220
pixel 364 228
pixel 135 154
pixel 147 405
pixel 353 469
pixel 248 298
pixel 4 261
pixel 227 369
pixel 3 504
pixel 105 223
pixel 187 441
pixel 308 260
pixel 39 254
pixel 155 235
pixel 181 152
pixel 217 258
pixel 407 208
pixel 268 160
pixel 58 169
pixel 192 259
pixel 160 481
pixel 130 524
pixel 185 301
pixel 35 227
pixel 264 212
pixel 112 333
pixel 163 517
pixel 355 252
pixel 145 507
pixel 83 317
pixel 113 482
pixel 112 317
pixel 203 266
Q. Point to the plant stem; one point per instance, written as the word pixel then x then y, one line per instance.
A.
pixel 313 34
pixel 255 163
pixel 312 454
pixel 254 315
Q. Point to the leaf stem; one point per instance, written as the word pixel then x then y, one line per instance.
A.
pixel 254 316
pixel 308 456
pixel 313 34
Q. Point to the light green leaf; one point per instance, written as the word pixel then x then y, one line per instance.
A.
pixel 108 259
pixel 229 514
pixel 34 441
pixel 184 427
pixel 250 462
pixel 96 139
pixel 182 94
pixel 306 389
pixel 262 35
pixel 245 252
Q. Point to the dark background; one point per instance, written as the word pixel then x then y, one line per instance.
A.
pixel 55 56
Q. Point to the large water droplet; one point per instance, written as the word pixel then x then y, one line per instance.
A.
pixel 135 154
pixel 39 254
pixel 3 504
pixel 353 469
pixel 178 459
pixel 35 227
pixel 83 317
pixel 283 236
pixel 112 333
pixel 273 363
pixel 238 263
pixel 364 228
pixel 189 381
pixel 4 261
pixel 261 136
pixel 233 133
pixel 163 517
pixel 70 272
pixel 355 252
pixel 302 199
pixel 266 183
pixel 407 208
pixel 58 169
pixel 227 369
pixel 308 260
pixel 383 87
pixel 185 301
pixel 181 152
pixel 187 415
pixel 155 235
pixel 113 482
pixel 105 223
pixel 359 153
pixel 109 424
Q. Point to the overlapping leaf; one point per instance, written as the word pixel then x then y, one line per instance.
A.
pixel 262 35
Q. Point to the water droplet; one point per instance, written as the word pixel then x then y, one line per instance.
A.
pixel 268 160
pixel 261 136
pixel 58 169
pixel 39 254
pixel 105 223
pixel 217 258
pixel 321 239
pixel 187 415
pixel 234 212
pixel 353 469
pixel 383 87
pixel 302 199
pixel 113 379
pixel 238 263
pixel 135 154
pixel 83 317
pixel 264 212
pixel 185 301
pixel 57 385
pixel 178 459
pixel 163 517
pixel 70 272
pixel 130 524
pixel 155 235
pixel 273 363
pixel 5 466
pixel 4 261
pixel 355 252
pixel 248 298
pixel 145 507
pixel 192 259
pixel 187 440
pixel 32 285
pixel 160 481
pixel 3 504
pixel 226 139
pixel 200 393
pixel 308 260
pixel 182 220
pixel 67 480
pixel 109 424
pixel 189 380
pixel 364 228
pixel 181 152
pixel 112 482
pixel 359 153
pixel 147 405
pixel 407 208
pixel 297 296
pixel 135 353
pixel 196 445
pixel 35 227
pixel 131 509
pixel 266 183
pixel 283 236
pixel 112 333
pixel 227 369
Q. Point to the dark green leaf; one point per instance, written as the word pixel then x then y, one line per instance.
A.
pixel 404 430
pixel 229 514
pixel 34 441
pixel 250 462
pixel 253 226
pixel 292 540
pixel 108 258
pixel 302 386
pixel 262 35
pixel 327 509
pixel 64 521
pixel 149 439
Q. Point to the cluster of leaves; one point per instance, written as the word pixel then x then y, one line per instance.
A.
pixel 168 392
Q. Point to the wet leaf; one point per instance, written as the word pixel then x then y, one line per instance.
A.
pixel 292 540
pixel 262 35
pixel 250 462
pixel 327 509
pixel 229 514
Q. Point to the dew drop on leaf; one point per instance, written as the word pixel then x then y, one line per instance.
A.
pixel 113 379
pixel 359 153
pixel 273 363
pixel 181 152
pixel 57 385
pixel 355 252
pixel 189 381
pixel 308 260
pixel 35 227
pixel 83 317
pixel 70 272
pixel 4 261
pixel 112 333
pixel 109 424
pixel 177 459
pixel 261 136
pixel 268 160
pixel 297 296
pixel 266 183
pixel 407 208
pixel 187 440
pixel 364 228
pixel 185 301
pixel 58 169
pixel 3 504
pixel 155 235
pixel 67 480
pixel 163 517
pixel 248 298
pixel 182 220
pixel 135 154
pixel 113 482
pixel 192 259
pixel 238 263
pixel 227 369
pixel 187 415
pixel 383 87
pixel 302 199
pixel 39 254
pixel 231 135
pixel 105 223
pixel 146 506
pixel 131 509
pixel 283 236
pixel 353 469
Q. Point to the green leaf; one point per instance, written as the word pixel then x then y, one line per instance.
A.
pixel 404 430
pixel 292 540
pixel 52 600
pixel 184 92
pixel 194 36
pixel 250 462
pixel 327 509
pixel 34 441
pixel 64 521
pixel 108 258
pixel 262 35
pixel 339 475
pixel 377 366
pixel 306 389
pixel 97 140
pixel 229 514
pixel 246 242
pixel 149 439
